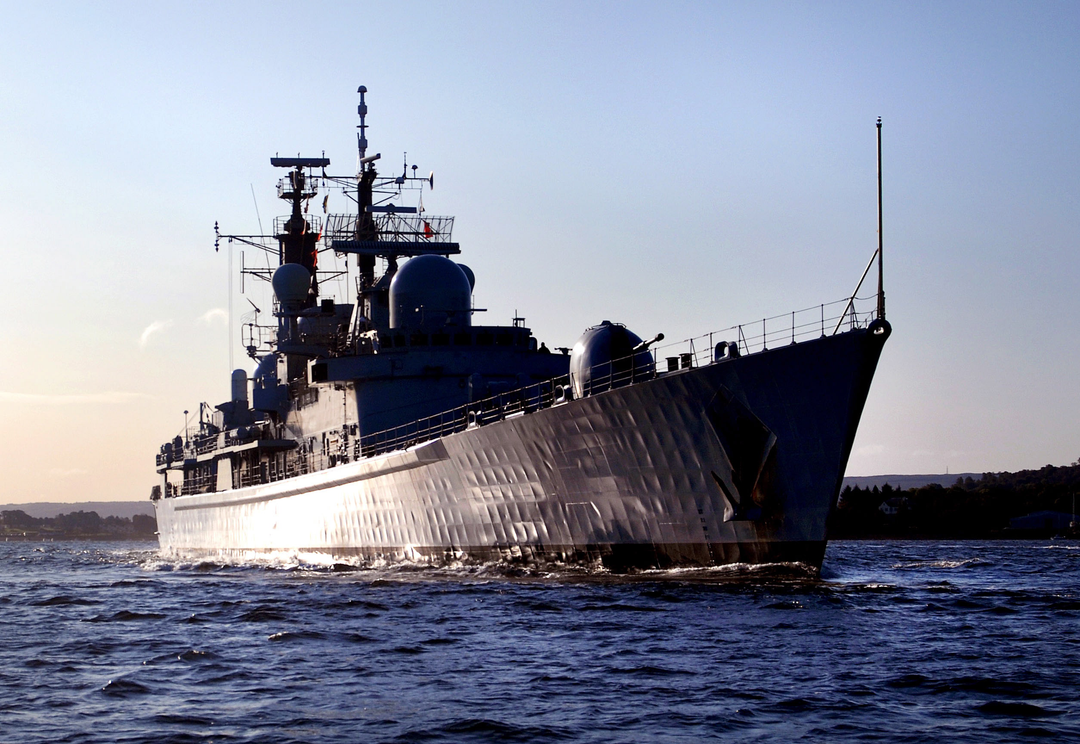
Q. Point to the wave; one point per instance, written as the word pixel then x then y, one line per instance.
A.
pixel 963 563
pixel 316 563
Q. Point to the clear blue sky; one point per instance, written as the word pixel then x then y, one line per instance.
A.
pixel 679 167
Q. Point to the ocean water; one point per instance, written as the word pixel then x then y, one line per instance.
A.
pixel 895 642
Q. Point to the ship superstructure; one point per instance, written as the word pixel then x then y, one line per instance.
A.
pixel 392 427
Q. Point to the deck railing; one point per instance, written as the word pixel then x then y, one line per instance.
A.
pixel 392 226
pixel 314 224
pixel 778 330
pixel 738 340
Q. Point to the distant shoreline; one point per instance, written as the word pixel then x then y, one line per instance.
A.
pixel 104 509
pixel 16 524
pixel 1026 505
pixel 904 482
pixel 78 538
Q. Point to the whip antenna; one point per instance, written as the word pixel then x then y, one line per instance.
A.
pixel 880 238
pixel 361 136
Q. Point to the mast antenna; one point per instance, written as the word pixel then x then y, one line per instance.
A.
pixel 256 203
pixel 881 241
pixel 361 136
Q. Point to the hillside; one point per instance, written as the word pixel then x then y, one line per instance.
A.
pixel 989 505
pixel 16 524
pixel 49 509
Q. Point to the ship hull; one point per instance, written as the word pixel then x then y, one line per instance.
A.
pixel 739 461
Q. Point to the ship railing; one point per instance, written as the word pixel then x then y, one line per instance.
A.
pixel 503 405
pixel 259 337
pixel 497 407
pixel 315 224
pixel 738 340
pixel 392 226
pixel 203 480
pixel 817 321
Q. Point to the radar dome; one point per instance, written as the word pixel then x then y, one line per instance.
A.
pixel 291 283
pixel 469 273
pixel 267 369
pixel 604 358
pixel 428 293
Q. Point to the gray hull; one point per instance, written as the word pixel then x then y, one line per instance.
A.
pixel 737 461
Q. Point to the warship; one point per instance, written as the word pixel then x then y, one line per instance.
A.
pixel 392 427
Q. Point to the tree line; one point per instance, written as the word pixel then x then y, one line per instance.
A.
pixel 970 508
pixel 17 524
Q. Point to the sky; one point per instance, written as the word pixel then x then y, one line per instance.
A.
pixel 677 167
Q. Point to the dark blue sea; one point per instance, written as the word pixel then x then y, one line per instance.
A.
pixel 895 642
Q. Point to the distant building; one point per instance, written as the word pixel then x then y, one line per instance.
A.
pixel 892 507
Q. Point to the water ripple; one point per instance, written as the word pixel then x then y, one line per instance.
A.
pixel 894 642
